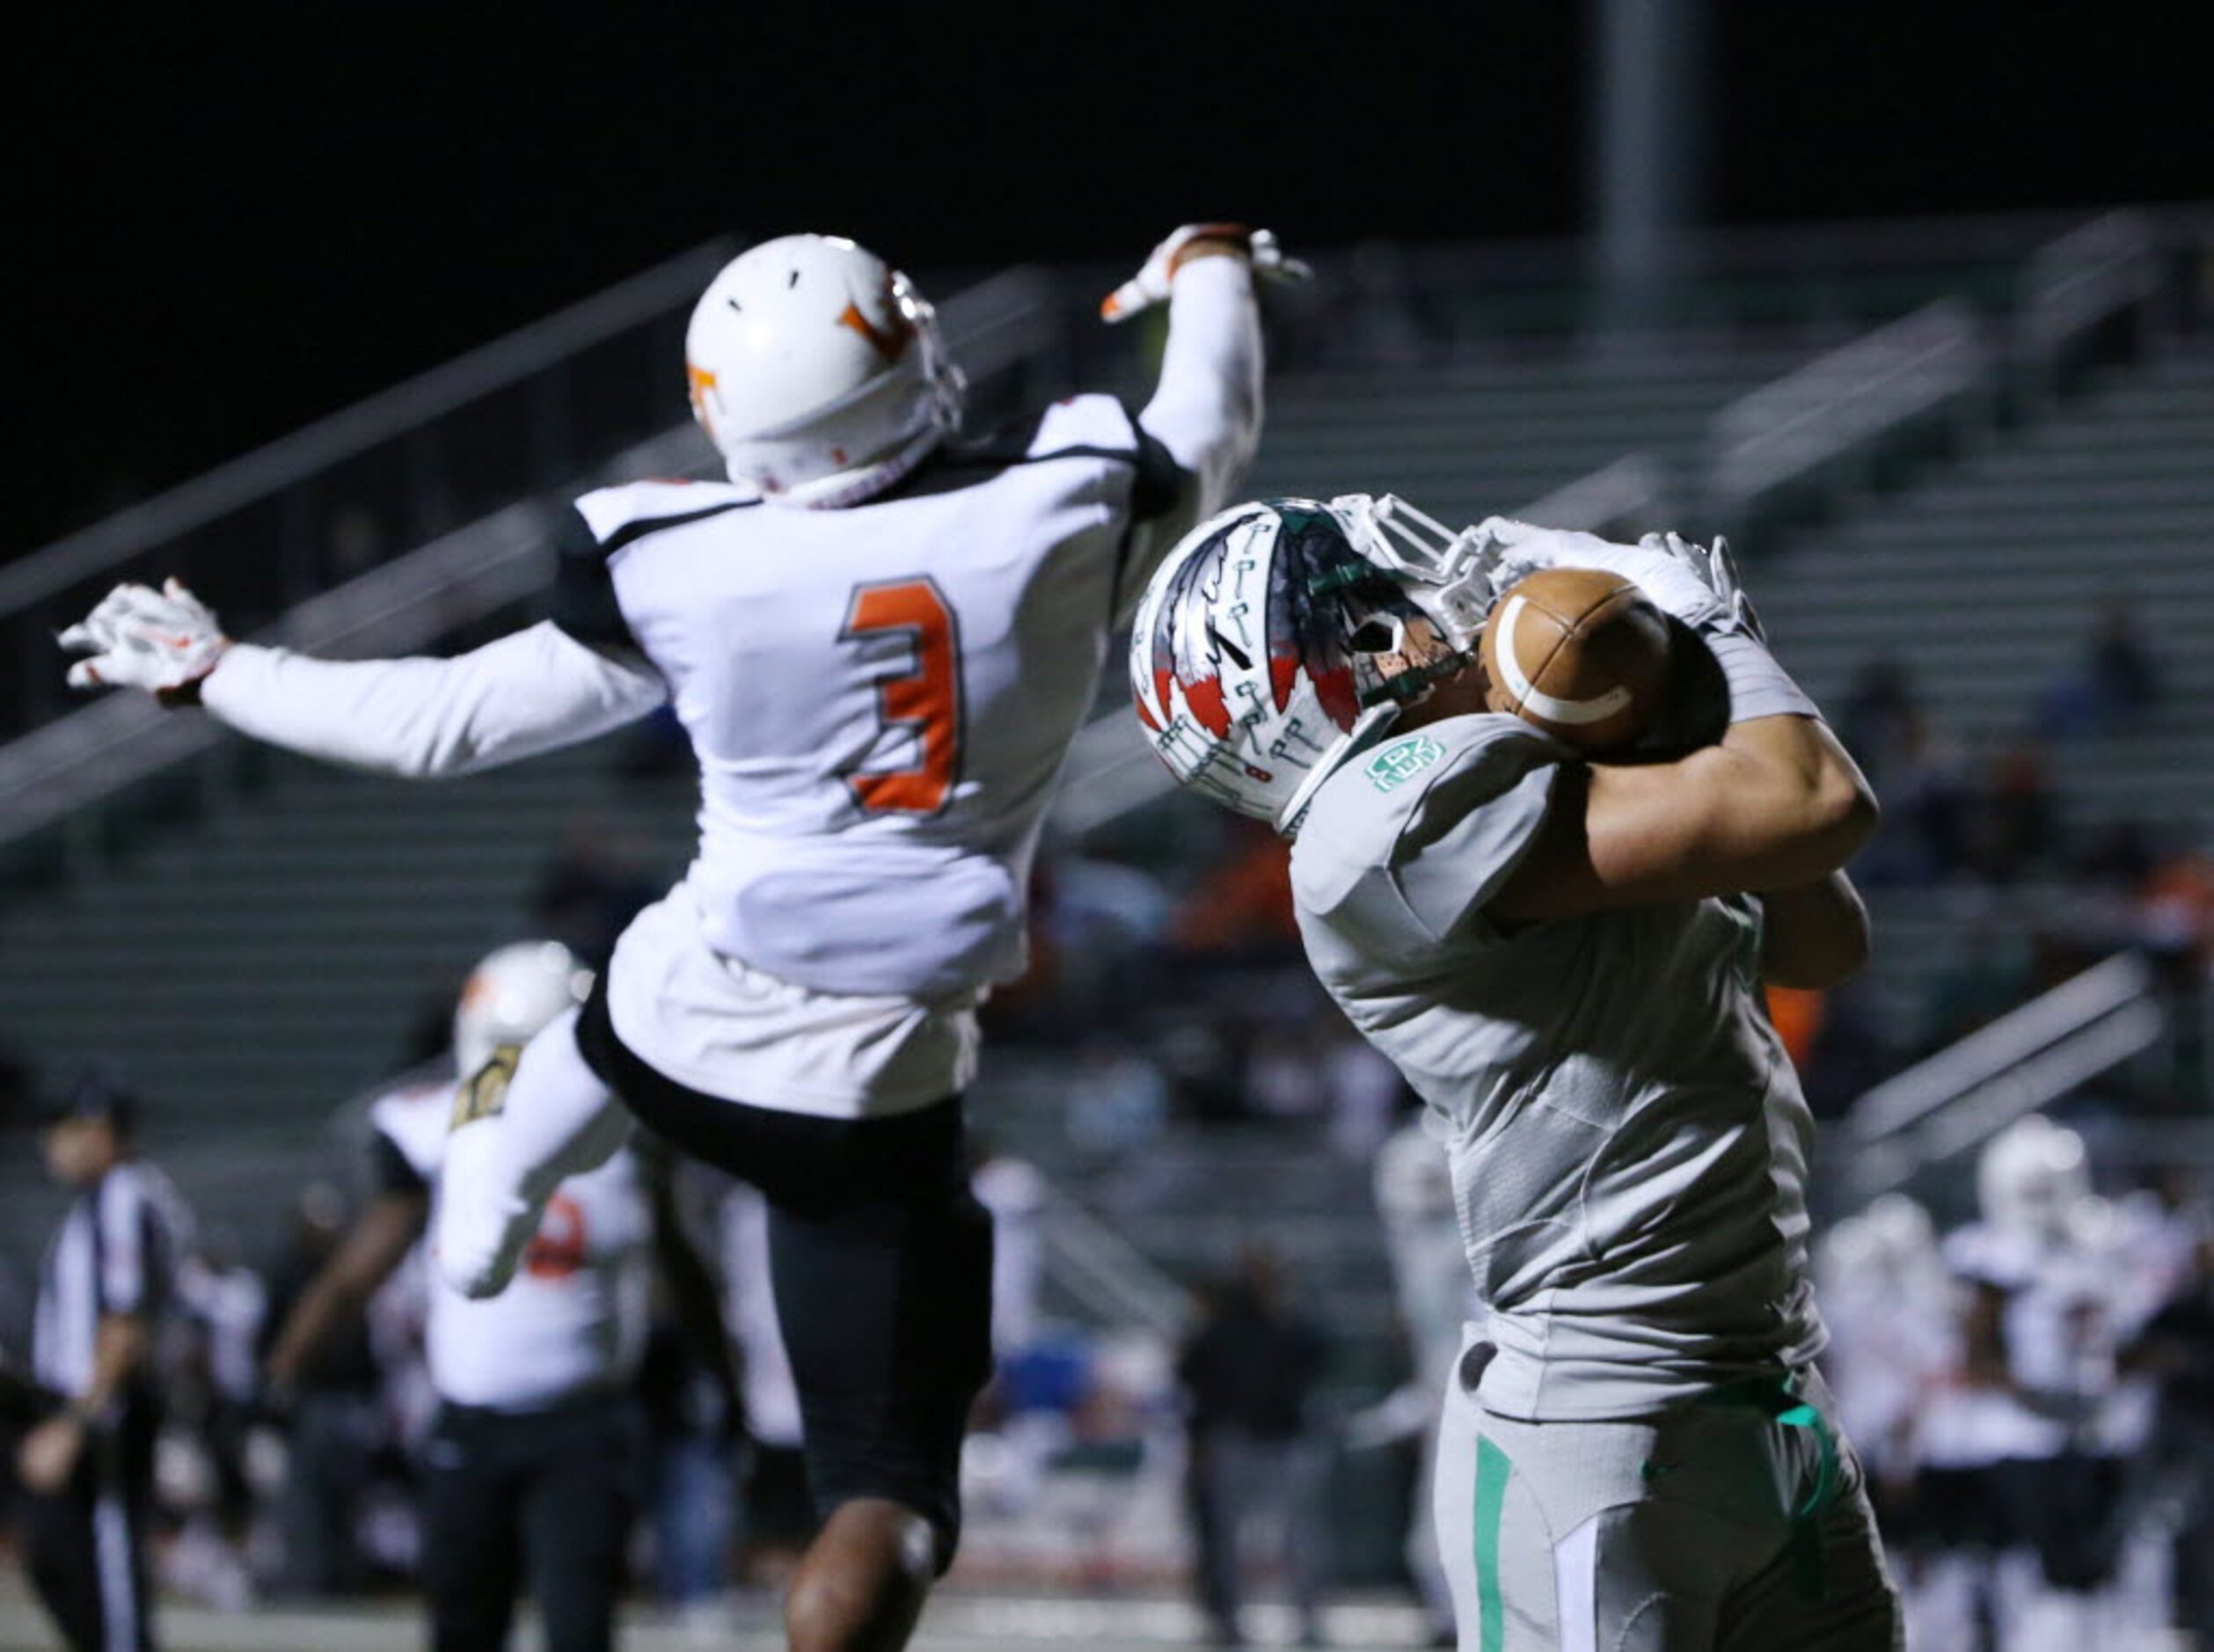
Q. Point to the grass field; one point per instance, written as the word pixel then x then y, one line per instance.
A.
pixel 956 1622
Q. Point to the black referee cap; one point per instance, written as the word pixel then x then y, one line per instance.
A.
pixel 96 1094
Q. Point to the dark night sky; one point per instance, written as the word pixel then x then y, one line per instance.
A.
pixel 232 219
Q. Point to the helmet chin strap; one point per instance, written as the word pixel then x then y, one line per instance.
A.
pixel 1413 685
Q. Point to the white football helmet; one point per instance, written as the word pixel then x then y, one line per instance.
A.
pixel 2034 1177
pixel 819 371
pixel 1276 633
pixel 510 995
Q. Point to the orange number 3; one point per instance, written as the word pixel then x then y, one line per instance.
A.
pixel 926 697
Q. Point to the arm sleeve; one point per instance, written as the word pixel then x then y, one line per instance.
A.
pixel 1205 413
pixel 127 1246
pixel 1400 854
pixel 423 718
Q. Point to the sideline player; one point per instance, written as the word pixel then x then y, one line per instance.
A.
pixel 879 642
pixel 531 1463
pixel 1563 957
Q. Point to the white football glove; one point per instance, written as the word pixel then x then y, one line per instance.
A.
pixel 1717 569
pixel 1678 582
pixel 1150 286
pixel 163 641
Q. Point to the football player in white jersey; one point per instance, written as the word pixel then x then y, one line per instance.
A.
pixel 1563 957
pixel 881 641
pixel 2025 1429
pixel 530 1464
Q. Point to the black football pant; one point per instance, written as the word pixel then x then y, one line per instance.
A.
pixel 880 1260
pixel 86 1545
pixel 542 1497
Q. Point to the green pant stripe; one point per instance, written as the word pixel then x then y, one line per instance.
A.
pixel 1492 1470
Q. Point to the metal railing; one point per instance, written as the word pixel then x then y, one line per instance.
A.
pixel 1107 1275
pixel 256 537
pixel 2072 288
pixel 437 462
pixel 2026 1059
pixel 1840 407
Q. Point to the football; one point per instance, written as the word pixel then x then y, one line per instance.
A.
pixel 1580 653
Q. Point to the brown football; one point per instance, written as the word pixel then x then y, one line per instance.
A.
pixel 1581 652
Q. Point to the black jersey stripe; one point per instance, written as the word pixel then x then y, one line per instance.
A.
pixel 630 532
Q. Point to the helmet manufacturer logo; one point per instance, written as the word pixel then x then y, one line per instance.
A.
pixel 1401 760
pixel 891 342
pixel 698 381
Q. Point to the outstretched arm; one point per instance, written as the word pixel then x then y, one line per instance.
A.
pixel 425 719
pixel 422 718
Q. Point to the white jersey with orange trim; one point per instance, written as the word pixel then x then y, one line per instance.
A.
pixel 574 1320
pixel 879 697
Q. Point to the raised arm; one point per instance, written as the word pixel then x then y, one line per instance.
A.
pixel 1776 805
pixel 1205 411
pixel 425 719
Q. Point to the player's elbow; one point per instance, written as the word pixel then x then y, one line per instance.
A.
pixel 1819 962
pixel 440 754
pixel 1840 814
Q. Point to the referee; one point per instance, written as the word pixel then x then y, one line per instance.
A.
pixel 88 1467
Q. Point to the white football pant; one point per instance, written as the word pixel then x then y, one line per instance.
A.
pixel 1725 1527
pixel 559 1121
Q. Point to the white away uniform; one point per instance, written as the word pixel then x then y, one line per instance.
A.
pixel 574 1323
pixel 1636 1454
pixel 879 697
pixel 531 1470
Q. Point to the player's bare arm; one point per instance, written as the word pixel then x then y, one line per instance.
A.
pixel 1815 935
pixel 387 1230
pixel 1775 805
pixel 49 1454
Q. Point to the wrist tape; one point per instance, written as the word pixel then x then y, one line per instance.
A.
pixel 1758 687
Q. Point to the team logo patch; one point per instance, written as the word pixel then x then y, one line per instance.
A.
pixel 1401 760
pixel 484 1092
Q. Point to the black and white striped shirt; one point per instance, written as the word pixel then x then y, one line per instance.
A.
pixel 115 1251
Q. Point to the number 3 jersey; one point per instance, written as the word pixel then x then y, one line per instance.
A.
pixel 1627 1137
pixel 573 1322
pixel 880 700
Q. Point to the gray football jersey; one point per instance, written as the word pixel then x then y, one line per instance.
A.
pixel 1627 1136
